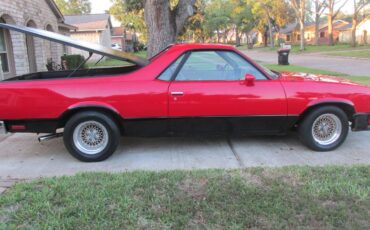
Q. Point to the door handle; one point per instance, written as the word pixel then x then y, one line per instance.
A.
pixel 177 93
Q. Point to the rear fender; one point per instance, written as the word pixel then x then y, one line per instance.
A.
pixel 91 106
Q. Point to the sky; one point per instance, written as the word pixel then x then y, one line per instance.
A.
pixel 100 6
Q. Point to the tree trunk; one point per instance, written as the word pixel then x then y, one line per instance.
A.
pixel 353 30
pixel 330 29
pixel 265 38
pixel 317 29
pixel 301 26
pixel 237 36
pixel 163 23
pixel 271 34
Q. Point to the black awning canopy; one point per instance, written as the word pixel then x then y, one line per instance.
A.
pixel 90 47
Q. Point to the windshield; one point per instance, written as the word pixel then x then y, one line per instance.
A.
pixel 273 74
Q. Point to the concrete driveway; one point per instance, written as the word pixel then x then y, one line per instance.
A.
pixel 22 157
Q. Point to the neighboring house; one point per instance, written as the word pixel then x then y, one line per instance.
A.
pixel 94 28
pixel 124 38
pixel 362 32
pixel 291 32
pixel 22 54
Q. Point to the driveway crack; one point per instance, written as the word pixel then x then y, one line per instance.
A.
pixel 236 155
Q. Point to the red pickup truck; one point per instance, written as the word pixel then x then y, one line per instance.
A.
pixel 187 89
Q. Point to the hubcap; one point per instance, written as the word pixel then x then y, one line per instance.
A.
pixel 326 129
pixel 90 137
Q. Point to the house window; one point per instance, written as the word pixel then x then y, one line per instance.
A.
pixel 3 52
pixel 322 34
pixel 288 37
pixel 298 37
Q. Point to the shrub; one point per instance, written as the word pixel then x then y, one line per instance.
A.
pixel 73 60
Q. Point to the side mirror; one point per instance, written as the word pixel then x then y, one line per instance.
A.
pixel 249 80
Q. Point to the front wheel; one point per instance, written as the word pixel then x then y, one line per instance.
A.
pixel 91 136
pixel 324 129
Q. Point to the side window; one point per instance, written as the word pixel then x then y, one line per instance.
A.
pixel 168 73
pixel 243 66
pixel 203 66
pixel 216 65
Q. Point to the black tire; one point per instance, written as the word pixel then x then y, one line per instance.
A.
pixel 306 134
pixel 105 127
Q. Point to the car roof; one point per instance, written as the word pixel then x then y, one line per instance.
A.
pixel 190 46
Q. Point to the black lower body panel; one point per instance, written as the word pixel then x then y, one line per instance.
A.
pixel 154 127
pixel 263 125
pixel 361 122
pixel 32 126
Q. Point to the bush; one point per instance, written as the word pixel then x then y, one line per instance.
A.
pixel 73 61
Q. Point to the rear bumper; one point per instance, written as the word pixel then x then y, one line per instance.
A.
pixel 3 128
pixel 361 122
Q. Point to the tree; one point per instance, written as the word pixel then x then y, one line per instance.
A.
pixel 320 6
pixel 333 11
pixel 270 15
pixel 129 20
pixel 242 18
pixel 358 5
pixel 299 7
pixel 218 18
pixel 72 7
pixel 164 20
pixel 195 28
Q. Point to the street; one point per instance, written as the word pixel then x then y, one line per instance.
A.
pixel 351 66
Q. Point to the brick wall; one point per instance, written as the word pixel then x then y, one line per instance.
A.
pixel 20 12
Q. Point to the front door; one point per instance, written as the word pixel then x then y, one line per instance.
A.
pixel 209 94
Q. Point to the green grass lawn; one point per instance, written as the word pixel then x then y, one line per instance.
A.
pixel 357 53
pixel 257 198
pixel 113 62
pixel 315 48
pixel 292 68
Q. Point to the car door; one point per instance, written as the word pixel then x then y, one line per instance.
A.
pixel 209 93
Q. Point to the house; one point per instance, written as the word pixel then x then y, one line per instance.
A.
pixel 124 38
pixel 22 54
pixel 94 28
pixel 291 32
pixel 362 32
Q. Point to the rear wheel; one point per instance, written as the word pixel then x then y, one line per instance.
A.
pixel 91 136
pixel 324 129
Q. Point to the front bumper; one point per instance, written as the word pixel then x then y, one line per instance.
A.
pixel 361 122
pixel 2 128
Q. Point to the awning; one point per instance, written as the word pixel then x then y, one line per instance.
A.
pixel 90 47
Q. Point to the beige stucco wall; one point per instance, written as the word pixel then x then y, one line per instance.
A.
pixel 20 12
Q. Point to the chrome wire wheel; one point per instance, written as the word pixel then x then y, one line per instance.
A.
pixel 326 129
pixel 90 137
